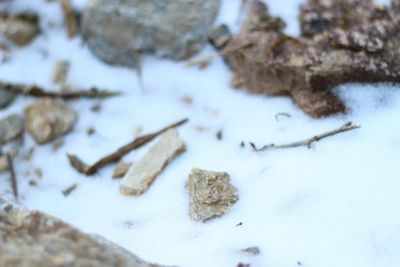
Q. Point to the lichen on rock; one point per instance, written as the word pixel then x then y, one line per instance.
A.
pixel 211 194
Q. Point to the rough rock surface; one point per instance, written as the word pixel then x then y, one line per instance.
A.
pixel 6 97
pixel 11 127
pixel 34 239
pixel 211 194
pixel 142 174
pixel 19 29
pixel 117 30
pixel 344 41
pixel 49 118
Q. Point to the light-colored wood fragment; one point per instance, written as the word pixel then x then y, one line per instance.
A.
pixel 61 70
pixel 142 174
pixel 69 18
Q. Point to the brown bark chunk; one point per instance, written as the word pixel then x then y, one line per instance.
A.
pixel 343 41
pixel 19 29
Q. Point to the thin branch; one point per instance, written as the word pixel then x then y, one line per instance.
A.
pixel 205 60
pixel 36 91
pixel 308 142
pixel 83 168
pixel 69 18
pixel 13 180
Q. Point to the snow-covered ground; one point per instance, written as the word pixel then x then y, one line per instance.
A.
pixel 336 204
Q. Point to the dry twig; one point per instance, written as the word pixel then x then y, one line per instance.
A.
pixel 66 192
pixel 308 142
pixel 83 168
pixel 14 184
pixel 36 91
pixel 69 18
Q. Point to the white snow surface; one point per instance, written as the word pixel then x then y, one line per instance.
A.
pixel 336 204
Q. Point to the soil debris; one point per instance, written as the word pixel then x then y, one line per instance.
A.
pixel 142 174
pixel 211 194
pixel 70 18
pixel 252 250
pixel 66 192
pixel 48 119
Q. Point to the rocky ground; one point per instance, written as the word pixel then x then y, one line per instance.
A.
pixel 169 161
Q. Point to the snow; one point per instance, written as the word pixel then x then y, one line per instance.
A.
pixel 333 205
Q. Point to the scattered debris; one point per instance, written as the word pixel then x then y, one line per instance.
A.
pixel 282 114
pixel 167 34
pixel 20 29
pixel 6 98
pixel 69 18
pixel 60 74
pixel 239 224
pixel 37 91
pixel 243 265
pixel 96 107
pixel 57 144
pixel 242 144
pixel 121 169
pixel 11 127
pixel 90 131
pixel 142 174
pixel 83 168
pixel 211 194
pixel 13 177
pixel 36 239
pixel 66 192
pixel 220 36
pixel 219 135
pixel 49 118
pixel 308 142
pixel 3 164
pixel 354 41
pixel 38 172
pixel 252 250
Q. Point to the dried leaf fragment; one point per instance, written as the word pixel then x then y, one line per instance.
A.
pixel 20 29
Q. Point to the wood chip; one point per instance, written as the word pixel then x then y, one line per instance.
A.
pixel 60 73
pixel 142 174
pixel 121 169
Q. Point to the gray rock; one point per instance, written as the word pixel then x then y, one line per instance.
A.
pixel 49 118
pixel 6 97
pixel 211 194
pixel 11 127
pixel 117 29
pixel 36 239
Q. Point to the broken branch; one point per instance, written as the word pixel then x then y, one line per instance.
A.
pixel 308 142
pixel 14 184
pixel 36 91
pixel 83 168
